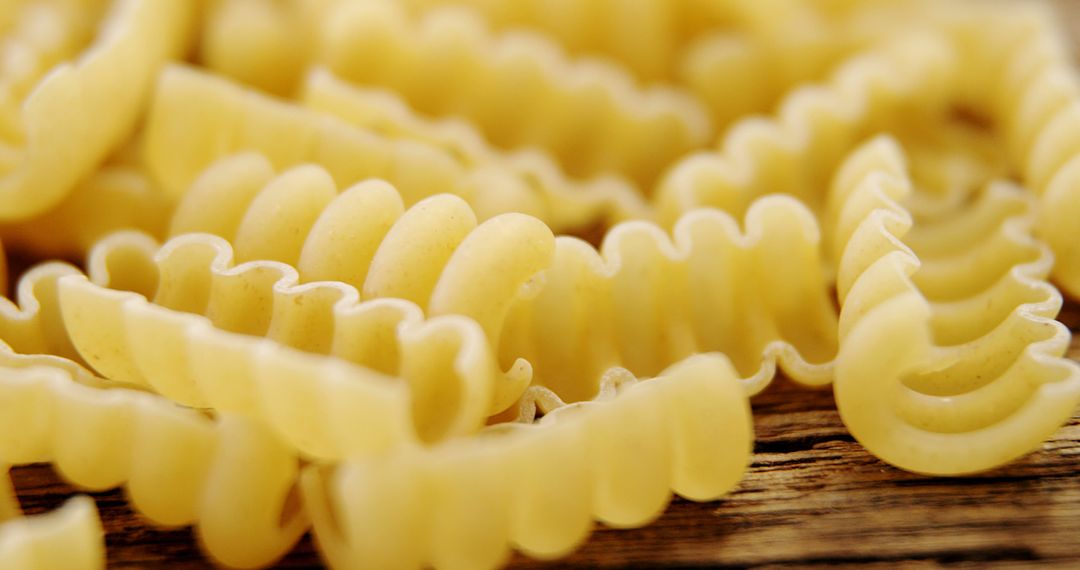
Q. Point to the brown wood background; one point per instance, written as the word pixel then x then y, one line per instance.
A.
pixel 813 497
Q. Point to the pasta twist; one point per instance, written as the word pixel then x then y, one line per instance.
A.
pixel 616 458
pixel 69 537
pixel 570 203
pixel 100 96
pixel 112 198
pixel 643 301
pixel 1028 86
pixel 230 477
pixel 332 376
pixel 197 119
pixel 817 126
pixel 521 90
pixel 951 369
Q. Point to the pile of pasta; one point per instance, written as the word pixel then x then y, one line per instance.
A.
pixel 436 280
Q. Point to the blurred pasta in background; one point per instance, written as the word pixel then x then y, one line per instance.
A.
pixel 436 280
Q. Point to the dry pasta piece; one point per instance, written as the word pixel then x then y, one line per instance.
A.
pixel 651 36
pixel 901 81
pixel 332 376
pixel 642 301
pixel 518 88
pixel 229 477
pixel 1021 74
pixel 79 112
pixel 113 198
pixel 34 324
pixel 196 119
pixel 537 487
pixel 959 369
pixel 571 203
pixel 69 537
pixel 646 36
pixel 264 44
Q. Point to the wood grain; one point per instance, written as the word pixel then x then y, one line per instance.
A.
pixel 813 497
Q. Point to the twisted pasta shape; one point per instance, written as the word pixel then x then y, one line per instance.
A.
pixel 570 105
pixel 816 127
pixel 1030 89
pixel 643 301
pixel 972 384
pixel 330 375
pixel 69 537
pixel 99 96
pixel 230 477
pixel 522 90
pixel 538 486
pixel 112 198
pixel 569 203
pixel 196 119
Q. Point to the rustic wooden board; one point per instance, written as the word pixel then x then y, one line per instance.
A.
pixel 813 497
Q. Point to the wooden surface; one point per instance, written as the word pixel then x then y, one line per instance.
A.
pixel 812 497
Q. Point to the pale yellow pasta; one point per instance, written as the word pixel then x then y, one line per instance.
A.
pixel 617 458
pixel 643 301
pixel 520 89
pixel 970 381
pixel 230 477
pixel 264 44
pixel 570 203
pixel 589 114
pixel 650 36
pixel 906 79
pixel 81 111
pixel 34 325
pixel 112 198
pixel 196 119
pixel 1023 76
pixel 332 376
pixel 69 537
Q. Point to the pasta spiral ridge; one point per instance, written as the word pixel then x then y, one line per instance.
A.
pixel 616 458
pixel 964 388
pixel 69 537
pixel 1034 97
pixel 522 91
pixel 570 203
pixel 196 119
pixel 642 301
pixel 100 95
pixel 816 127
pixel 229 477
pixel 632 299
pixel 249 339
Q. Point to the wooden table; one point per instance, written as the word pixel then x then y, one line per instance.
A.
pixel 813 497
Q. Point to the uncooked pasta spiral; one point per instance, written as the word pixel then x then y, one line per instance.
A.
pixel 974 374
pixel 230 477
pixel 196 119
pixel 522 90
pixel 1022 77
pixel 616 458
pixel 570 310
pixel 815 128
pixel 570 203
pixel 252 340
pixel 99 95
pixel 69 537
